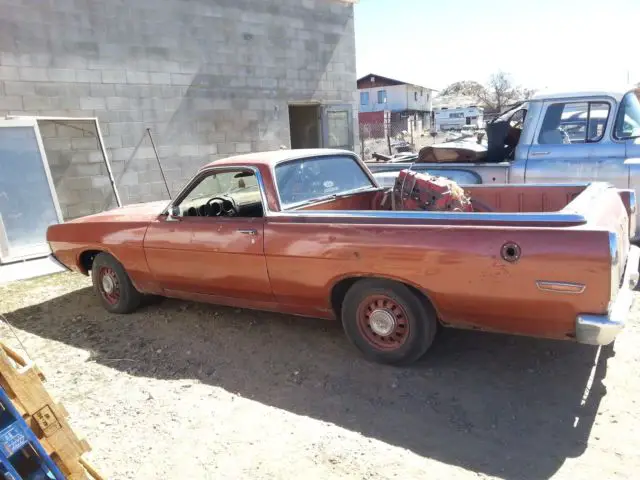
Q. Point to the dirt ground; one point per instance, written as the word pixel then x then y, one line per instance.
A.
pixel 183 390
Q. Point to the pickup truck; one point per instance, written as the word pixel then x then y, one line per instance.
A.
pixel 559 138
pixel 304 232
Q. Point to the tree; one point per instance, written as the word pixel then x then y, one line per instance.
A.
pixel 500 92
pixel 495 96
pixel 469 88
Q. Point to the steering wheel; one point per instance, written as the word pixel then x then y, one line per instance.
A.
pixel 219 210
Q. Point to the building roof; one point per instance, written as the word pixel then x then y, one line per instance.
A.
pixel 392 81
pixel 273 157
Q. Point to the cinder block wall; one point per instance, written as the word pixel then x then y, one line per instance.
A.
pixel 209 79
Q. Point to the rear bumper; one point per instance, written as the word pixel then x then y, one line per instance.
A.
pixel 603 329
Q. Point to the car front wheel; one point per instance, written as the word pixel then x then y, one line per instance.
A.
pixel 113 286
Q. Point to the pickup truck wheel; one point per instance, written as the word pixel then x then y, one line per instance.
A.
pixel 387 322
pixel 113 285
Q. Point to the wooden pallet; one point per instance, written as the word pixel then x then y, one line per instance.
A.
pixel 23 382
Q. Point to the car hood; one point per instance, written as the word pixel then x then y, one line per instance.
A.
pixel 137 212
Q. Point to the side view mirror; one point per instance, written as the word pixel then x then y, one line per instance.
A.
pixel 173 215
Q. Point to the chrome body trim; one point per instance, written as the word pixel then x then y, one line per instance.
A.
pixel 557 287
pixel 545 218
pixel 603 329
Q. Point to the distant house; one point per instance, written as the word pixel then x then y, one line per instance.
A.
pixel 409 105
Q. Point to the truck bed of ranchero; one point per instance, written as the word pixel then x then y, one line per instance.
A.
pixel 547 232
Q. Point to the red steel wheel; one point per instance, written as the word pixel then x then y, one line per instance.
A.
pixel 113 285
pixel 383 322
pixel 388 321
pixel 108 285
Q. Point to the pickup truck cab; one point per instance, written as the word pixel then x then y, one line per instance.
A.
pixel 307 232
pixel 553 138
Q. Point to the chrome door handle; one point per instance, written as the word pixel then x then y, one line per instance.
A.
pixel 251 232
pixel 539 154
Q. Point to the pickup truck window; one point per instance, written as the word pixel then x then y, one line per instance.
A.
pixel 517 119
pixel 628 119
pixel 574 122
pixel 309 179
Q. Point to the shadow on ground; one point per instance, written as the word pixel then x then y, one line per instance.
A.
pixel 505 406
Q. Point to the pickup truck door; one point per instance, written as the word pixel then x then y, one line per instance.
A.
pixel 574 142
pixel 218 256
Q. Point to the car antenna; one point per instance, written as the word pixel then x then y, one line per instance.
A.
pixel 159 165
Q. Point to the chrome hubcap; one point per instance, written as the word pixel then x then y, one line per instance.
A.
pixel 382 322
pixel 108 284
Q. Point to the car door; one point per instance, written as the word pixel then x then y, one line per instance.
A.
pixel 221 256
pixel 574 143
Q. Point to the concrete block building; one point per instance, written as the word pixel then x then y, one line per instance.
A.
pixel 203 80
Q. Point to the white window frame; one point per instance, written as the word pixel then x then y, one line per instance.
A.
pixel 5 255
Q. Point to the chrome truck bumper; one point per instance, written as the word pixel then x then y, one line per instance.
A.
pixel 603 329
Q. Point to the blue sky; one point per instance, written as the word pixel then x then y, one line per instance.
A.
pixel 555 44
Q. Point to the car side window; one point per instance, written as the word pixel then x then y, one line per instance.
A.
pixel 231 193
pixel 574 122
pixel 517 119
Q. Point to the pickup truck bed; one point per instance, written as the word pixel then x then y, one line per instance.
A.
pixel 559 237
pixel 463 173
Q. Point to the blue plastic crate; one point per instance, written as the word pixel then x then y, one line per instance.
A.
pixel 22 457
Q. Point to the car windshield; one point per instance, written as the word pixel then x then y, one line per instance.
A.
pixel 301 181
pixel 224 183
pixel 628 120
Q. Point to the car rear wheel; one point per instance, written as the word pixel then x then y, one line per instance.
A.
pixel 113 286
pixel 388 322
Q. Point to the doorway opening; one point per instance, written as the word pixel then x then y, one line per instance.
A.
pixel 304 124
